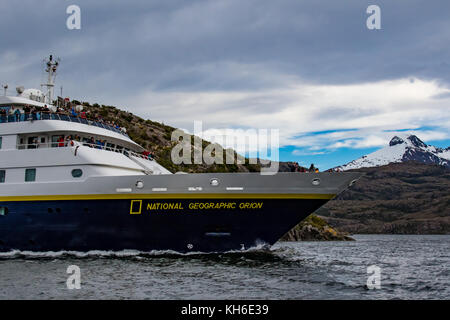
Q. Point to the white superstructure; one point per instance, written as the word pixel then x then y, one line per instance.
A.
pixel 39 144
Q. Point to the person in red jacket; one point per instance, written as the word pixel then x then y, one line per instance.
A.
pixel 61 141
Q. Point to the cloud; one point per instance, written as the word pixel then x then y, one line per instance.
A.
pixel 299 66
pixel 353 116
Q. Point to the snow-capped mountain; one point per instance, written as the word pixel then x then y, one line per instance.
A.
pixel 401 149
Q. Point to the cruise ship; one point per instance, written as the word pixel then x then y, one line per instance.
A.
pixel 70 183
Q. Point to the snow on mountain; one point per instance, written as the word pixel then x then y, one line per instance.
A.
pixel 444 153
pixel 401 149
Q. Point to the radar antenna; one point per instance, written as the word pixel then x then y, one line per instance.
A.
pixel 51 67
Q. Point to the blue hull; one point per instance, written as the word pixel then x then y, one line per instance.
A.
pixel 205 225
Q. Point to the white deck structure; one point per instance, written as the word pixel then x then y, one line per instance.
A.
pixel 41 145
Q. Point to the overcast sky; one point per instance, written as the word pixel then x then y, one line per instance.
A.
pixel 312 69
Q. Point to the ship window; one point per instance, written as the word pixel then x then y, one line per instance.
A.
pixel 30 175
pixel 55 140
pixel 76 173
pixel 2 176
pixel 1 142
pixel 110 146
pixel 32 142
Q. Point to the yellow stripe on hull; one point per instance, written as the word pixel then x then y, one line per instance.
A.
pixel 169 196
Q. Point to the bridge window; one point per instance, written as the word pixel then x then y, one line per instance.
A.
pixel 1 142
pixel 30 175
pixel 76 173
pixel 2 176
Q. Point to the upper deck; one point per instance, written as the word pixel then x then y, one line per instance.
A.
pixel 24 123
pixel 58 116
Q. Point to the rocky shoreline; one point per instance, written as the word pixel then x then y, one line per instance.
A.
pixel 315 228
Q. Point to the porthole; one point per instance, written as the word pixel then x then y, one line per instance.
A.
pixel 315 181
pixel 214 182
pixel 3 211
pixel 139 184
pixel 76 173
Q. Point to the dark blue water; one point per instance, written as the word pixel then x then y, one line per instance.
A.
pixel 412 267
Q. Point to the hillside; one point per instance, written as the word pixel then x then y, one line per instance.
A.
pixel 399 198
pixel 156 137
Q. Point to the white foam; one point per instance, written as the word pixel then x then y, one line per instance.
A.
pixel 117 254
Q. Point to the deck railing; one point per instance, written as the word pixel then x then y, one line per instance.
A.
pixel 57 116
pixel 71 143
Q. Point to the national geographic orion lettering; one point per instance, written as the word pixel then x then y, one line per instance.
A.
pixel 203 205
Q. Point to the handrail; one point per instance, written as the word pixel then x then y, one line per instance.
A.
pixel 40 145
pixel 113 149
pixel 41 115
pixel 72 143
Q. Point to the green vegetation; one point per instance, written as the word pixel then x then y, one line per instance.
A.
pixel 156 137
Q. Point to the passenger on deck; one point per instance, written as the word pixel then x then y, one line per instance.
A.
pixel 17 114
pixel 34 144
pixel 61 141
pixel 33 113
pixel 146 154
pixel 3 115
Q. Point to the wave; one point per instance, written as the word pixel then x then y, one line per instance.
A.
pixel 19 254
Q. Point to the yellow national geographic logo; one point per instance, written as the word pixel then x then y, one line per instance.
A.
pixel 136 207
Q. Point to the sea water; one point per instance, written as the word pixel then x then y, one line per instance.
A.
pixel 372 267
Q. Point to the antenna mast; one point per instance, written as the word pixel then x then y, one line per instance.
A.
pixel 51 67
pixel 5 87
